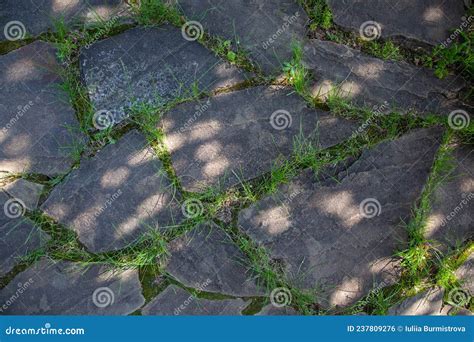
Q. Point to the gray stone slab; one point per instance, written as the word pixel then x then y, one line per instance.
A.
pixel 451 222
pixel 174 301
pixel 429 302
pixel 237 136
pixel 465 275
pixel 28 192
pixel 206 257
pixel 338 236
pixel 18 235
pixel 426 21
pixel 152 66
pixel 265 29
pixel 271 310
pixel 38 16
pixel 66 288
pixel 117 196
pixel 37 124
pixel 371 81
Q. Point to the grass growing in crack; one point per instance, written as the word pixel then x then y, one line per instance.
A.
pixel 296 71
pixel 385 50
pixel 155 12
pixel 415 258
pixel 319 13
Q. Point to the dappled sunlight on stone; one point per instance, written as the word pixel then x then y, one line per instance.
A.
pixel 341 204
pixel 275 220
pixel 59 6
pixel 115 178
pixel 433 14
pixel 18 145
pixel 21 70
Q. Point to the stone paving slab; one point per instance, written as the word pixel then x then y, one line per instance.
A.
pixel 18 235
pixel 340 235
pixel 429 22
pixel 206 258
pixel 174 301
pixel 465 275
pixel 29 91
pixel 429 302
pixel 152 66
pixel 66 288
pixel 265 29
pixel 38 16
pixel 370 81
pixel 237 136
pixel 451 222
pixel 28 192
pixel 271 310
pixel 115 197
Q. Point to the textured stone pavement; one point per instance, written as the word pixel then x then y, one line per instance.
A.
pixel 90 211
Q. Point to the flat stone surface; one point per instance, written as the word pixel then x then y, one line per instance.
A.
pixel 237 136
pixel 465 274
pixel 115 197
pixel 152 66
pixel 325 233
pixel 429 22
pixel 18 235
pixel 66 288
pixel 37 16
pixel 451 222
pixel 429 302
pixel 29 90
pixel 174 301
pixel 271 310
pixel 28 192
pixel 206 257
pixel 265 29
pixel 372 81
